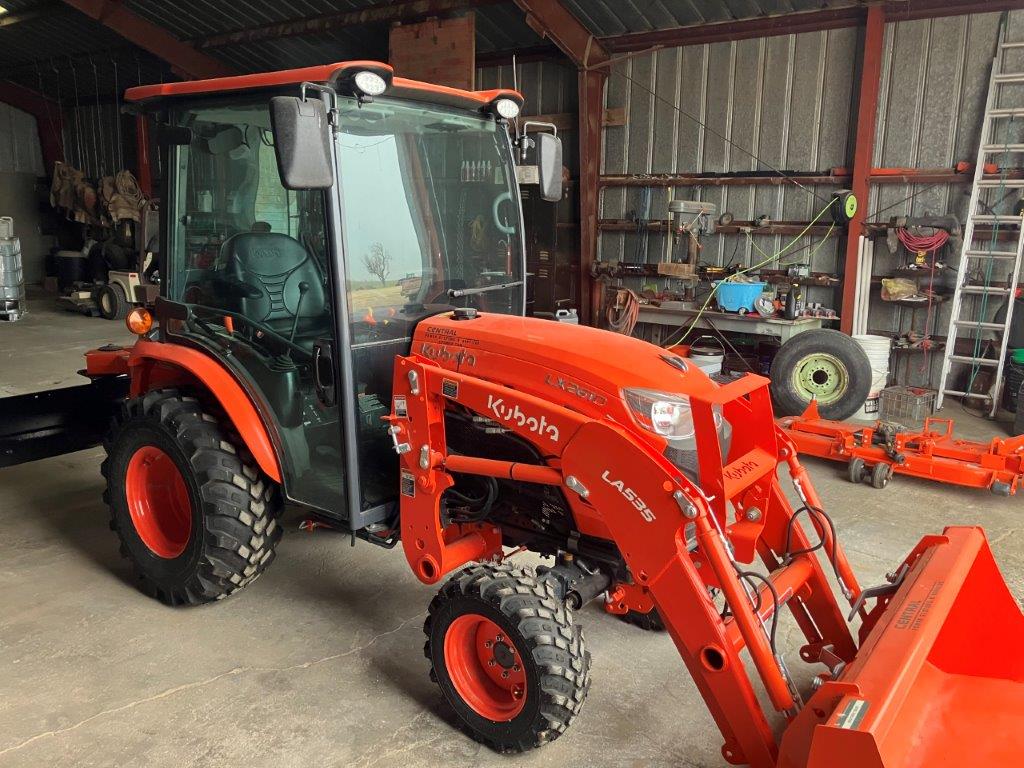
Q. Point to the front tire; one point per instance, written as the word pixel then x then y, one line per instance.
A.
pixel 196 519
pixel 507 656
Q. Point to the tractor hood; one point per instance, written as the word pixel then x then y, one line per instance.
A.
pixel 583 368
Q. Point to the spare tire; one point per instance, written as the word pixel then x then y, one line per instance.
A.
pixel 823 365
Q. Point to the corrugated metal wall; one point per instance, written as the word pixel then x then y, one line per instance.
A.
pixel 19 142
pixel 787 100
pixel 771 103
pixel 931 102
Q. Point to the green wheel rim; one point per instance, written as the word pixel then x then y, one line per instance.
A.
pixel 821 377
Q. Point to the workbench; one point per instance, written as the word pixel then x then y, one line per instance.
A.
pixel 677 314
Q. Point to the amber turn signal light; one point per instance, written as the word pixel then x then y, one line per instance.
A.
pixel 139 321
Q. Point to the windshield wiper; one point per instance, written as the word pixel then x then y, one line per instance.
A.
pixel 456 293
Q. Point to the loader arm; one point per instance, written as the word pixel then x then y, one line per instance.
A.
pixel 902 694
pixel 621 488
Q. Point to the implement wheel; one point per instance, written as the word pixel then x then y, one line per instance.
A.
pixel 507 656
pixel 822 365
pixel 195 517
pixel 855 469
pixel 881 473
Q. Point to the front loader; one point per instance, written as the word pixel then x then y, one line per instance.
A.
pixel 354 291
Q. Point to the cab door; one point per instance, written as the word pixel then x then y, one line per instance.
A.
pixel 249 264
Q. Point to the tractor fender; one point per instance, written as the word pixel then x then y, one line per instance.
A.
pixel 153 364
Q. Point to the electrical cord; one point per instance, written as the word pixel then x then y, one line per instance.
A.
pixel 626 319
pixel 768 259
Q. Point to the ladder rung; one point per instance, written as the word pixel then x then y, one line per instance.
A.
pixel 986 218
pixel 981 289
pixel 1009 77
pixel 979 324
pixel 1001 183
pixel 1006 112
pixel 991 254
pixel 958 393
pixel 982 361
pixel 1004 46
pixel 997 148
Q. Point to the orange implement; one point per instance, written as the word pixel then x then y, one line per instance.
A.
pixel 932 673
pixel 931 452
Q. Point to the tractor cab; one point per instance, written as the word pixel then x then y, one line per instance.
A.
pixel 312 219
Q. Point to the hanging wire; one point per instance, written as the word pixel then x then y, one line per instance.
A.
pixel 101 165
pixel 117 115
pixel 80 153
pixel 49 112
pixel 788 177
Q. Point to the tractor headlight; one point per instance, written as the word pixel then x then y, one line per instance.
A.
pixel 506 108
pixel 370 83
pixel 670 416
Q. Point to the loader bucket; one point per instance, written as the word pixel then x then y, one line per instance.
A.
pixel 938 679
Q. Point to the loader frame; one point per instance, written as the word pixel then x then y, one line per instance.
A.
pixel 620 488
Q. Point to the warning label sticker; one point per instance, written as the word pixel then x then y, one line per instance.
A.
pixel 408 484
pixel 852 714
pixel 401 408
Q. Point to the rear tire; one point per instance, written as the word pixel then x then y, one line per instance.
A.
pixel 112 302
pixel 195 517
pixel 532 638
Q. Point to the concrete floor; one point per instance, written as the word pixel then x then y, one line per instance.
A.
pixel 320 662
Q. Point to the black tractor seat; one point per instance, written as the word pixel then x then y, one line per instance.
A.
pixel 274 282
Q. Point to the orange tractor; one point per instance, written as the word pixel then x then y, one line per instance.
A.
pixel 342 276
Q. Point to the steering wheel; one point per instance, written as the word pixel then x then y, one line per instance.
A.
pixel 499 222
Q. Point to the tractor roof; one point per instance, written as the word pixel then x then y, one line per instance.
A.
pixel 325 73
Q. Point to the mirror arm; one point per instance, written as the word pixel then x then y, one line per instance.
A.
pixel 522 140
pixel 332 98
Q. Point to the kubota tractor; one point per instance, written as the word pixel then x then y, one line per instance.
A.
pixel 343 280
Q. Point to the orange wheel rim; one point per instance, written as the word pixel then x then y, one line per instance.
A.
pixel 158 502
pixel 485 667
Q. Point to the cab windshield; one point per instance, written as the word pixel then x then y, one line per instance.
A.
pixel 430 214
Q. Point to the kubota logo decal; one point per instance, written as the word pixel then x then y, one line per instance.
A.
pixel 739 471
pixel 631 496
pixel 515 415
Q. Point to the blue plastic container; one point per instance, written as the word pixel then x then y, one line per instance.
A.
pixel 732 297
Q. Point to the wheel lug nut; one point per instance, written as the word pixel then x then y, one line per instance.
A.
pixel 516 667
pixel 488 644
pixel 505 673
pixel 490 662
pixel 500 639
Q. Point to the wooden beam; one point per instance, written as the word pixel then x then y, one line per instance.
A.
pixel 806 21
pixel 551 19
pixel 48 114
pixel 158 41
pixel 863 151
pixel 385 13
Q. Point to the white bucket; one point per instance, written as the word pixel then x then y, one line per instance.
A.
pixel 877 349
pixel 709 359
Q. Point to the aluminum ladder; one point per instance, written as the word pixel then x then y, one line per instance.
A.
pixel 990 253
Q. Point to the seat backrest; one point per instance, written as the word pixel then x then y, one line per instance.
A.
pixel 276 264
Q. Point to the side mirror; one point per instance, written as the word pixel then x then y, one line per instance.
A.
pixel 549 166
pixel 302 142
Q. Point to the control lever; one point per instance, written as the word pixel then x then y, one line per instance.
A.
pixel 303 288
